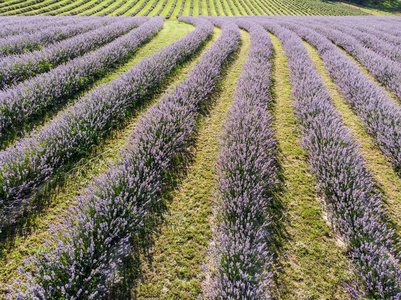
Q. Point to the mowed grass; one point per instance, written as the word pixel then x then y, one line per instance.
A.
pixel 16 247
pixel 388 181
pixel 312 265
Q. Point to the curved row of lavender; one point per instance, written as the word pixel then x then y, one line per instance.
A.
pixel 20 103
pixel 239 262
pixel 368 38
pixel 114 208
pixel 15 68
pixel 381 116
pixel 33 160
pixel 22 24
pixel 386 31
pixel 24 42
pixel 340 169
pixel 385 70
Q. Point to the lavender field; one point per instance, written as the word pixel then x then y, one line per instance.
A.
pixel 242 157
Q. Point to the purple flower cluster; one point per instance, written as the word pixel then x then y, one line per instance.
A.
pixel 115 206
pixel 17 44
pixel 33 160
pixel 239 264
pixel 14 68
pixel 381 116
pixel 348 186
pixel 29 98
pixel 385 70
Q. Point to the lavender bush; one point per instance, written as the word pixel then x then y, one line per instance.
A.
pixel 26 100
pixel 239 264
pixel 14 68
pixel 114 207
pixel 33 160
pixel 348 186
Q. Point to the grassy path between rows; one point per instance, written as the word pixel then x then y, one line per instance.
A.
pixel 175 268
pixel 312 265
pixel 16 248
pixel 389 183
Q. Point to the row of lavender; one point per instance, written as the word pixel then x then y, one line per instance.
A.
pixel 239 261
pixel 348 186
pixel 15 68
pixel 118 202
pixel 17 44
pixel 30 98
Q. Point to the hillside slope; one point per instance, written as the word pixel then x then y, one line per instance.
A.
pixel 174 8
